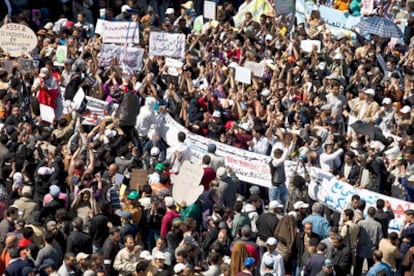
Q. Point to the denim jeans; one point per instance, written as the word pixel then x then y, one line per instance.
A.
pixel 279 193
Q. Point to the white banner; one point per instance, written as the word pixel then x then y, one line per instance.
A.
pixel 336 194
pixel 254 168
pixel 120 32
pixel 166 44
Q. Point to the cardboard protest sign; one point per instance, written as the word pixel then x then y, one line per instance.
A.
pixel 26 65
pixel 308 44
pixel 187 186
pixel 243 75
pixel 166 44
pixel 17 39
pixel 210 10
pixel 47 113
pixel 120 32
pixel 139 178
pixel 256 68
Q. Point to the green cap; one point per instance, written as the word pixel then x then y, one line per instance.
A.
pixel 159 167
pixel 133 195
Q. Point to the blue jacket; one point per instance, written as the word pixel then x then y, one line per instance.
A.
pixel 378 267
pixel 320 225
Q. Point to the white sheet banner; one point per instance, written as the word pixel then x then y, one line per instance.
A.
pixel 337 195
pixel 120 32
pixel 254 168
pixel 166 44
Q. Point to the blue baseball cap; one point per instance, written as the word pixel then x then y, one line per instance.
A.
pixel 249 262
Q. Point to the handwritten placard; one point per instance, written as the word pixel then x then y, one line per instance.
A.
pixel 210 10
pixel 256 68
pixel 166 44
pixel 108 52
pixel 131 59
pixel 17 39
pixel 120 32
pixel 243 75
pixel 47 113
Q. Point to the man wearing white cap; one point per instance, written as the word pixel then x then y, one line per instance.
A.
pixel 272 255
pixel 368 108
pixel 384 118
pixel 267 222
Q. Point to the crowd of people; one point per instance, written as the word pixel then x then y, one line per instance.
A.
pixel 69 207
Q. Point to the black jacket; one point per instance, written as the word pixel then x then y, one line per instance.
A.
pixel 342 259
pixel 384 218
pixel 128 109
pixel 266 225
pixel 79 242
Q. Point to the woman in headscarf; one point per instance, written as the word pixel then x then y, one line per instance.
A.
pixel 84 206
pixel 238 254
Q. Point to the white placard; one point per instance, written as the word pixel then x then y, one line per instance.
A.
pixel 308 44
pixel 78 98
pixel 131 59
pixel 243 75
pixel 99 26
pixel 47 113
pixel 187 186
pixel 17 39
pixel 120 32
pixel 256 68
pixel 108 52
pixel 210 10
pixel 166 44
pixel 171 62
pixel 119 178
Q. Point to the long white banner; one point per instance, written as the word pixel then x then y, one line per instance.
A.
pixel 253 168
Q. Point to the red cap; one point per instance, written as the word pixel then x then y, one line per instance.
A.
pixel 69 24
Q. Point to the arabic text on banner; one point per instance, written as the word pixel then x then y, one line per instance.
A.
pixel 166 44
pixel 254 168
pixel 120 32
